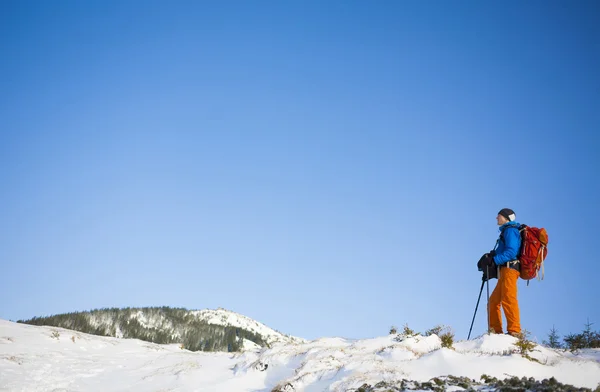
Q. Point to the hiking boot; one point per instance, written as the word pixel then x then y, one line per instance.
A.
pixel 513 334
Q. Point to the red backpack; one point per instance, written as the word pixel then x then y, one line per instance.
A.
pixel 533 252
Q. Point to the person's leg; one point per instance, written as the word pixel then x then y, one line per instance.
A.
pixel 509 301
pixel 494 311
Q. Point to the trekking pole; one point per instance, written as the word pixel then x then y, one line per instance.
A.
pixel 476 306
pixel 488 297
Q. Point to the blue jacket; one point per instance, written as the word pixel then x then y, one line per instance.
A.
pixel 508 249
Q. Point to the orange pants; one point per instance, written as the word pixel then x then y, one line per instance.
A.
pixel 505 296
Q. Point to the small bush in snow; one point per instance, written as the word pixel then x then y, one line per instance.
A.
pixel 447 339
pixel 393 330
pixel 55 335
pixel 437 330
pixel 407 332
pixel 524 345
pixel 444 333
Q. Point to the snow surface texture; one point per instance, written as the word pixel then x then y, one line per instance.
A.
pixel 53 359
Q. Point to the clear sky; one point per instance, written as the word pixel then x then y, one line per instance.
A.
pixel 328 168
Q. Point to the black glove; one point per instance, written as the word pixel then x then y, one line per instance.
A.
pixel 490 260
pixel 482 262
pixel 489 267
pixel 485 260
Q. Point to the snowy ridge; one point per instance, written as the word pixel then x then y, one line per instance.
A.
pixel 345 365
pixel 46 358
pixel 231 319
pixel 153 323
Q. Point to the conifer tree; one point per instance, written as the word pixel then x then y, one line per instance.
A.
pixel 553 339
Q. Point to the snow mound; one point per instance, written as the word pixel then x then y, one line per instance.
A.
pixel 45 358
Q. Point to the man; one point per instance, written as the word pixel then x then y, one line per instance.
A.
pixel 505 258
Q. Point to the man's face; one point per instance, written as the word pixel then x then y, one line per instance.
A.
pixel 501 220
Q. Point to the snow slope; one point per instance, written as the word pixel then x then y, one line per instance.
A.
pixel 54 359
pixel 170 321
pixel 228 318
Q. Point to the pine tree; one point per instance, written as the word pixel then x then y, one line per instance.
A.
pixel 574 342
pixel 588 334
pixel 553 339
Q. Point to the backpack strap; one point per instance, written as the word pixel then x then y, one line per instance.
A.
pixel 497 242
pixel 520 228
pixel 541 250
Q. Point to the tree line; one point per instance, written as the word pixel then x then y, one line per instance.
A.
pixel 588 338
pixel 166 326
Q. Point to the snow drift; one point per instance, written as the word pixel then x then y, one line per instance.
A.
pixel 53 359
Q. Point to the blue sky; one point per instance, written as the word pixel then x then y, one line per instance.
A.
pixel 327 168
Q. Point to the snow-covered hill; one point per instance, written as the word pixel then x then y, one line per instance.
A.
pixel 228 318
pixel 53 359
pixel 209 330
